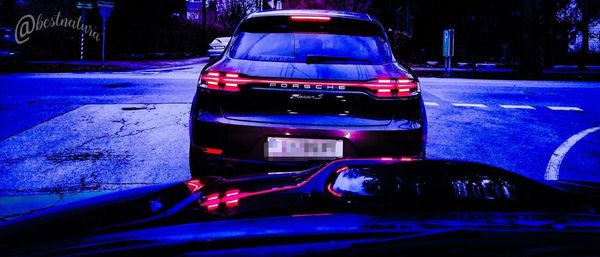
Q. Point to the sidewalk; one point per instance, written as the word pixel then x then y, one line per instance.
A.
pixel 556 73
pixel 95 65
pixel 15 206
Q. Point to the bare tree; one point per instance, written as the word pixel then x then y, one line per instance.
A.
pixel 7 10
pixel 584 27
pixel 530 60
pixel 352 5
pixel 231 12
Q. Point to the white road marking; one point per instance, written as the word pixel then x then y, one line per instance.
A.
pixel 524 107
pixel 553 168
pixel 470 105
pixel 564 108
pixel 431 104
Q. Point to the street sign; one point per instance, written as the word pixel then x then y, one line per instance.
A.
pixel 448 50
pixel 84 5
pixel 104 7
pixel 106 4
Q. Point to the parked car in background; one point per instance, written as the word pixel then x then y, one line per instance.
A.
pixel 217 46
pixel 9 49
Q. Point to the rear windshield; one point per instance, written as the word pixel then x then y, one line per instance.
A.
pixel 281 40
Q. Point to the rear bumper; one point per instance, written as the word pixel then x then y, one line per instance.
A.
pixel 243 142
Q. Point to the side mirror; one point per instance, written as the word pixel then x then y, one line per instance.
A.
pixel 356 182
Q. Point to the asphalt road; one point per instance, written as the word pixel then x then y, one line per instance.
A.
pixel 73 135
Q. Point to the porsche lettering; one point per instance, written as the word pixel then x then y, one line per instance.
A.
pixel 307 86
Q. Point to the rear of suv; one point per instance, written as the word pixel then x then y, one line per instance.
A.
pixel 295 88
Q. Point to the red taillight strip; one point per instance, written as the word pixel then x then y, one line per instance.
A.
pixel 214 78
pixel 401 84
pixel 401 159
pixel 212 202
pixel 310 18
pixel 381 87
pixel 232 197
pixel 233 80
pixel 194 185
pixel 303 82
pixel 340 170
pixel 408 159
pixel 209 150
pixel 332 191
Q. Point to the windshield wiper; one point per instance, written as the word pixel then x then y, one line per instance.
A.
pixel 325 59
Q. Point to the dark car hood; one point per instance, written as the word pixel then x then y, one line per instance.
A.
pixel 287 70
pixel 488 234
pixel 284 194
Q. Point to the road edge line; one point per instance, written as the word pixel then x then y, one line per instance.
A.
pixel 553 168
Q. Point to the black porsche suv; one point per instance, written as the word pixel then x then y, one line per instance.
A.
pixel 298 87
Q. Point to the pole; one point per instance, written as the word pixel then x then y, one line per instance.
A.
pixel 103 40
pixel 104 7
pixel 82 38
pixel 204 25
pixel 448 66
pixel 448 50
pixel 585 34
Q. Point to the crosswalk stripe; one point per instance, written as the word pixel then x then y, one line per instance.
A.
pixel 564 108
pixel 525 107
pixel 469 105
pixel 510 106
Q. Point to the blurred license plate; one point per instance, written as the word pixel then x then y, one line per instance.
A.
pixel 282 148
